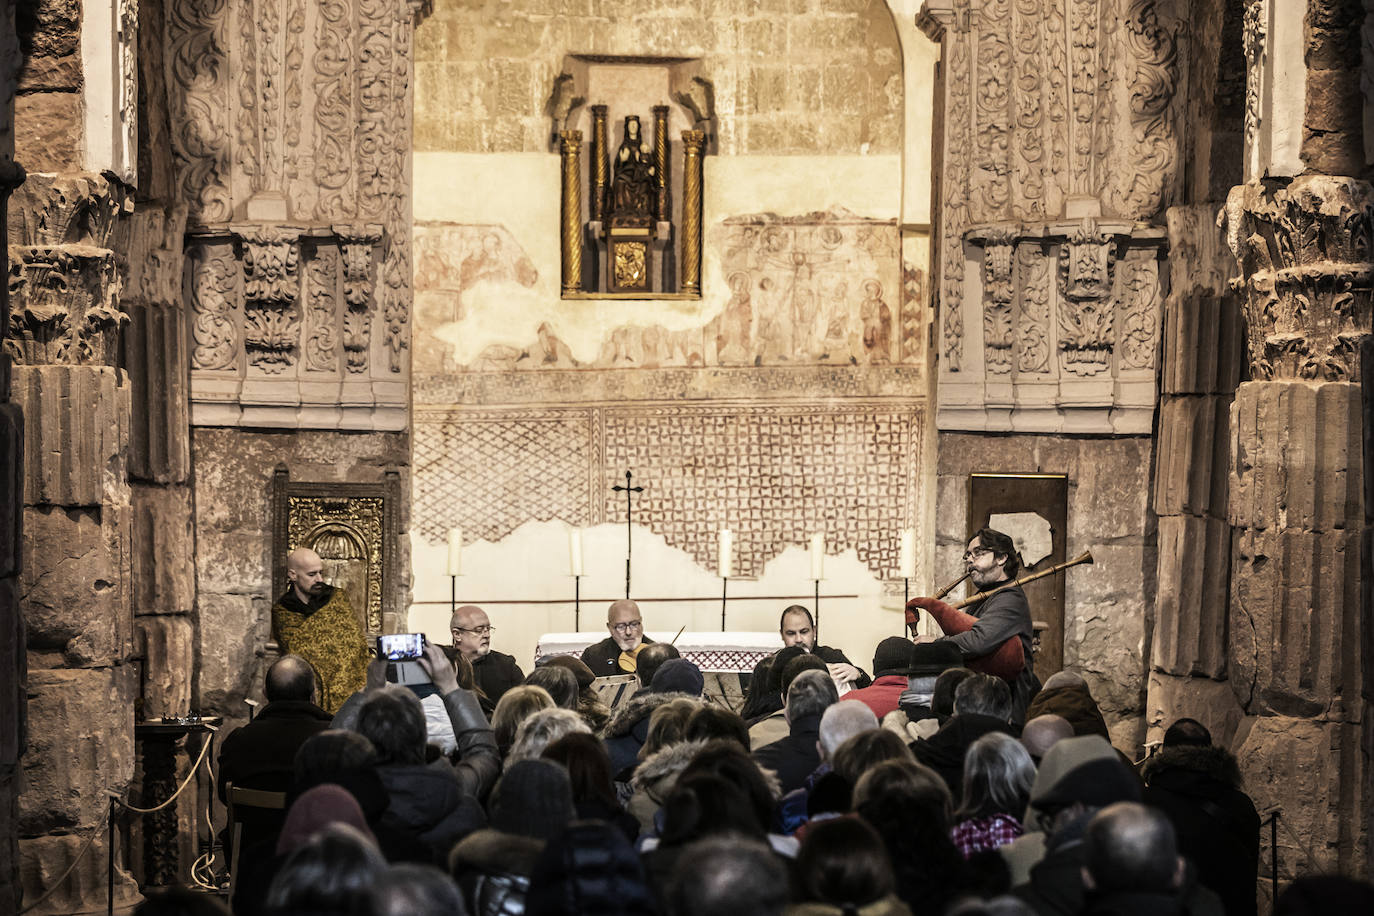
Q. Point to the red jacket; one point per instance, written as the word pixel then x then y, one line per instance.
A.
pixel 882 695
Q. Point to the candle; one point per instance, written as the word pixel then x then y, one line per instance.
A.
pixel 818 556
pixel 908 554
pixel 575 550
pixel 726 542
pixel 455 551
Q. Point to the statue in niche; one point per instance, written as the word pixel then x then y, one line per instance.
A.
pixel 633 181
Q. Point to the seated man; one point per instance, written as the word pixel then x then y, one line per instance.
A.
pixel 840 722
pixel 1131 862
pixel 262 754
pixel 495 672
pixel 787 664
pixel 982 704
pixel 314 620
pixel 794 757
pixel 798 628
pixel 432 806
pixel 626 626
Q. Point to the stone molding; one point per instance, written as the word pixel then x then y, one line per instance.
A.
pixel 1070 315
pixel 285 329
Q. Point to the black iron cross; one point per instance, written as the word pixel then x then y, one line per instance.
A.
pixel 629 509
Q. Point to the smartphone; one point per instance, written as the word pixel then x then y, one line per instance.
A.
pixel 401 647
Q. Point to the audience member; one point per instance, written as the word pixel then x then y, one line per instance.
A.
pixel 982 704
pixel 180 901
pixel 315 810
pixel 262 754
pixel 839 723
pixel 728 761
pixel 436 804
pixel 942 697
pixel 541 729
pixel 843 870
pixel 710 722
pixel 649 660
pixel 1198 787
pixel 589 704
pixel 678 675
pixel 1066 694
pixel 996 787
pixel 767 692
pixel 327 875
pixel 856 756
pixel 1131 865
pixel 531 804
pixel 493 672
pixel 1042 732
pixel 700 806
pixel 1323 895
pixel 559 682
pixel 915 716
pixel 773 726
pixel 517 705
pixel 415 890
pixel 665 754
pixel 794 757
pixel 909 806
pixel 628 727
pixel 589 870
pixel 891 663
pixel 589 771
pixel 727 876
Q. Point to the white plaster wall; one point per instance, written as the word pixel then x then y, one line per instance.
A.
pixel 531 570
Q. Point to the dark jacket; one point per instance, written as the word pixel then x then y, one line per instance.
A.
pixel 795 757
pixel 628 729
pixel 497 672
pixel 262 754
pixel 590 868
pixel 1074 703
pixel 944 751
pixel 604 657
pixel 833 656
pixel 1198 788
pixel 493 871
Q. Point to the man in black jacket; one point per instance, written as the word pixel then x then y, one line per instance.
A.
pixel 798 628
pixel 261 754
pixel 627 634
pixel 795 757
pixel 982 704
pixel 495 672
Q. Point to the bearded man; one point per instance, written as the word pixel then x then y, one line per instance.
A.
pixel 495 672
pixel 315 621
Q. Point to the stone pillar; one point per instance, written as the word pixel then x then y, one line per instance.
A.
pixel 75 579
pixel 570 236
pixel 693 145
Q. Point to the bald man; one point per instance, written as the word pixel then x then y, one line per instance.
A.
pixel 626 627
pixel 315 621
pixel 496 672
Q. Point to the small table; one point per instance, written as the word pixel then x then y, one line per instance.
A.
pixel 162 849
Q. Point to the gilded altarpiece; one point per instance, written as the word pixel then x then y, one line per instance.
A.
pixel 291 136
pixel 1059 154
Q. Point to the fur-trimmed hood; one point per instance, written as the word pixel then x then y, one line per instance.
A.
pixel 1211 762
pixel 628 714
pixel 496 852
pixel 673 759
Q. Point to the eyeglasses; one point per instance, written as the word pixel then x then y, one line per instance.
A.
pixel 975 553
pixel 627 626
pixel 480 631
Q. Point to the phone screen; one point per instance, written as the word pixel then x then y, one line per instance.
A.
pixel 401 646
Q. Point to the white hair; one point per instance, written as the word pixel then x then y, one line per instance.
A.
pixel 842 721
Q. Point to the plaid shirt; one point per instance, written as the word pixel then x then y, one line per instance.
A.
pixel 985 833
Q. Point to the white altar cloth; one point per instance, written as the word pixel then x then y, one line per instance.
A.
pixel 711 651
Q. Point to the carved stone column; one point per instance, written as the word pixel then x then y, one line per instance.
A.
pixel 570 227
pixel 693 145
pixel 1296 617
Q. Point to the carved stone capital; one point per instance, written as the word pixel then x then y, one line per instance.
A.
pixel 1086 322
pixel 1304 252
pixel 66 209
pixel 271 286
pixel 998 295
pixel 356 247
pixel 63 305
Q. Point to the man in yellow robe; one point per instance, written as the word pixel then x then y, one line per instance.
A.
pixel 315 621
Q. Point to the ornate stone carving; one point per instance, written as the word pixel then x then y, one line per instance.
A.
pixel 1086 318
pixel 997 300
pixel 214 292
pixel 1033 283
pixel 332 62
pixel 127 51
pixel 1028 163
pixel 322 290
pixel 1304 251
pixel 271 261
pixel 1139 305
pixel 199 67
pixel 1084 24
pixel 1254 27
pixel 1153 46
pixel 355 247
pixel 955 192
pixel 991 171
pixel 570 225
pixel 63 306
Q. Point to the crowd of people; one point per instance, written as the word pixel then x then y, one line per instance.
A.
pixel 927 787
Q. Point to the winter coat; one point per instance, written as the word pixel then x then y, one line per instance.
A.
pixel 628 729
pixel 493 871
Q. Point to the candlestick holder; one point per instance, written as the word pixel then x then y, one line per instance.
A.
pixel 723 581
pixel 577 604
pixel 816 603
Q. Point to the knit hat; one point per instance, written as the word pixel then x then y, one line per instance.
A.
pixel 677 675
pixel 931 659
pixel 893 656
pixel 316 809
pixel 533 799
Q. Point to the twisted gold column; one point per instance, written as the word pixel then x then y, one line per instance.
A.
pixel 600 171
pixel 693 142
pixel 570 235
pixel 661 162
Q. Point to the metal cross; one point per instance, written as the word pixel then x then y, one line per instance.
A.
pixel 629 509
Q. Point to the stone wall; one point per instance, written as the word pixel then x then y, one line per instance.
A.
pixel 1109 605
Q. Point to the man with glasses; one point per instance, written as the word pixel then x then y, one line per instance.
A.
pixel 995 634
pixel 627 635
pixel 496 672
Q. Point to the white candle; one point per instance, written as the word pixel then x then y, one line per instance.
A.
pixel 455 551
pixel 575 550
pixel 726 556
pixel 818 556
pixel 908 554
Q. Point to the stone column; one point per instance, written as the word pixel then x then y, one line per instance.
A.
pixel 570 236
pixel 693 144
